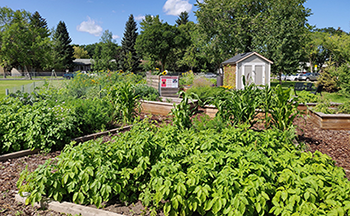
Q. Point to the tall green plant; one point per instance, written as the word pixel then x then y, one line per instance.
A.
pixel 282 110
pixel 182 112
pixel 239 106
pixel 125 100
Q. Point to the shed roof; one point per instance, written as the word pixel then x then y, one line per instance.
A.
pixel 240 57
pixel 83 61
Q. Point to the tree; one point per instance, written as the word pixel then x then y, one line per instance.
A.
pixel 183 19
pixel 105 52
pixel 63 51
pixel 157 40
pixel 284 35
pixel 16 40
pixel 40 51
pixel 129 60
pixel 80 53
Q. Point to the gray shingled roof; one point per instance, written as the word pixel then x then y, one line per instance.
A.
pixel 236 58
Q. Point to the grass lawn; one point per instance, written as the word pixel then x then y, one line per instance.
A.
pixel 334 97
pixel 10 84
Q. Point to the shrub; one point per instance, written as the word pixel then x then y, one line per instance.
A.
pixel 328 78
pixel 206 94
pixel 146 92
pixel 187 78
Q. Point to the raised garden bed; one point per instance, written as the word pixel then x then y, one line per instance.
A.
pixel 330 121
pixel 302 106
pixel 164 107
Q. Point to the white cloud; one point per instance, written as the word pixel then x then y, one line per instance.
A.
pixel 139 18
pixel 175 7
pixel 90 27
pixel 115 36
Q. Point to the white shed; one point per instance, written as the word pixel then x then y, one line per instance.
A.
pixel 255 67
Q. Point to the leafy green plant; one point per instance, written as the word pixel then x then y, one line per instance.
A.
pixel 146 92
pixel 182 112
pixel 206 94
pixel 282 110
pixel 307 97
pixel 235 171
pixel 238 106
pixel 125 101
pixel 187 78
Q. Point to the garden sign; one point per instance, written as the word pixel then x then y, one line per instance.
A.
pixel 169 82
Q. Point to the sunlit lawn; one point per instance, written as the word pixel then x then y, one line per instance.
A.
pixel 333 97
pixel 11 84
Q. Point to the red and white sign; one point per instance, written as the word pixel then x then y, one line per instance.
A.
pixel 169 81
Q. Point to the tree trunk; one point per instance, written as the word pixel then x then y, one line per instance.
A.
pixel 280 77
pixel 311 66
pixel 5 72
pixel 27 73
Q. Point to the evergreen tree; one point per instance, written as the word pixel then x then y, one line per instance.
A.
pixel 39 24
pixel 183 19
pixel 62 48
pixel 41 41
pixel 129 60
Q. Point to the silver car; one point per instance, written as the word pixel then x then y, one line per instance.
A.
pixel 293 77
pixel 309 77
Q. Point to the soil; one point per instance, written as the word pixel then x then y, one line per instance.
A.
pixel 336 144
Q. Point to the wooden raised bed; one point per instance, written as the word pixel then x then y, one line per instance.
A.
pixel 330 121
pixel 164 107
pixel 305 106
pixel 210 110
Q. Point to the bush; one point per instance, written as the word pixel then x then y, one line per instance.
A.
pixel 206 94
pixel 328 78
pixel 146 92
pixel 187 78
pixel 35 126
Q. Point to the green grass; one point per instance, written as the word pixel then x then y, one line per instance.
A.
pixel 10 84
pixel 333 97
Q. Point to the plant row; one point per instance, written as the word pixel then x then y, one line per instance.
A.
pixel 221 171
pixel 49 118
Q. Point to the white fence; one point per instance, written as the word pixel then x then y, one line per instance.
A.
pixel 29 88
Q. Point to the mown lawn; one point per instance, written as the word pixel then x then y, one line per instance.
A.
pixel 10 84
pixel 334 97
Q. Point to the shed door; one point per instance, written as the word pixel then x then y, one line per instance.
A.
pixel 248 73
pixel 259 74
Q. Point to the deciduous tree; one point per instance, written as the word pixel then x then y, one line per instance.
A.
pixel 157 39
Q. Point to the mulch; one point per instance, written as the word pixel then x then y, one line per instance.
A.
pixel 334 143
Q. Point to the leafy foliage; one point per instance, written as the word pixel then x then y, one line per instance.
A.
pixel 182 112
pixel 235 171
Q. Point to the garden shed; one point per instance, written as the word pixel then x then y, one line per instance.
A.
pixel 255 67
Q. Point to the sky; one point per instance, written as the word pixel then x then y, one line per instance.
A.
pixel 86 20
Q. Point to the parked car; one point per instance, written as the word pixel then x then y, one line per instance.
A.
pixel 210 75
pixel 309 77
pixel 293 77
pixel 283 77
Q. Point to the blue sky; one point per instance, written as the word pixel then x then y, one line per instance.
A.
pixel 86 20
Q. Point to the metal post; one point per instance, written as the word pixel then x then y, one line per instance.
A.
pixel 7 92
pixel 22 88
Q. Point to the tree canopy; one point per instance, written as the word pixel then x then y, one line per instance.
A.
pixel 129 59
pixel 63 51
